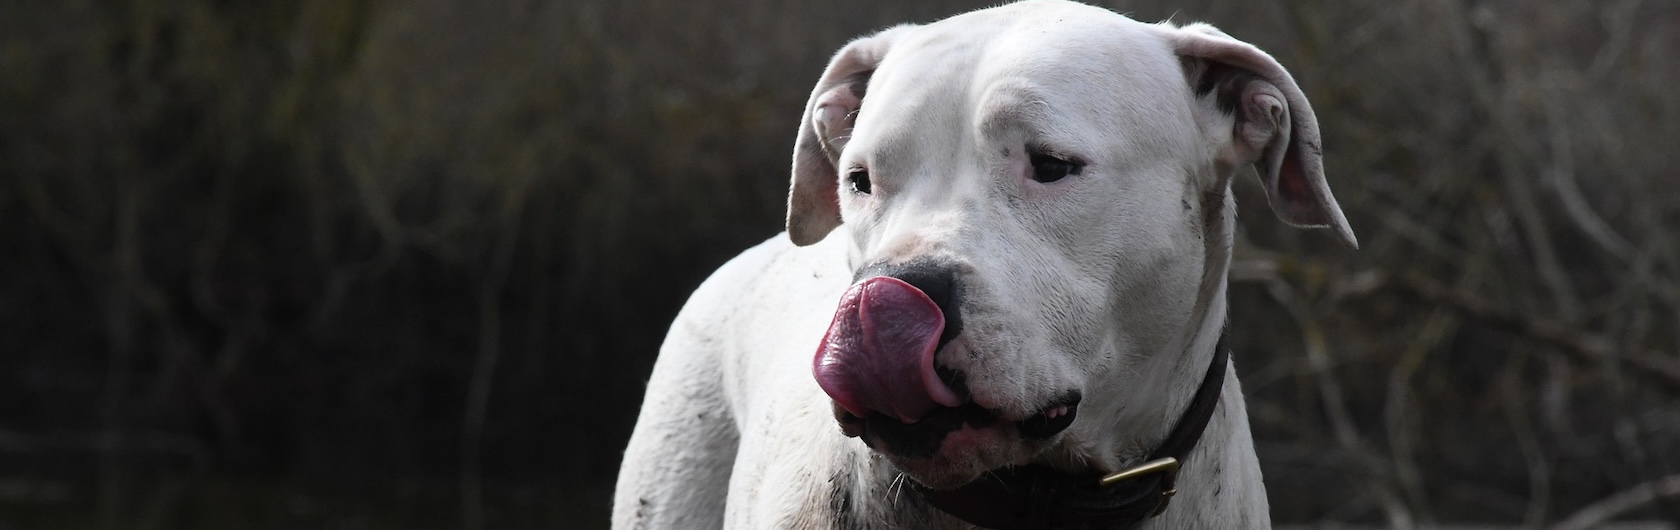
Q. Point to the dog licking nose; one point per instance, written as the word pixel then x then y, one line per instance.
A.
pixel 877 357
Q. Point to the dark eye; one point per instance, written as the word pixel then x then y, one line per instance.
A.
pixel 860 180
pixel 1048 168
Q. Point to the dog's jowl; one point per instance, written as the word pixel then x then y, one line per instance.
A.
pixel 1000 299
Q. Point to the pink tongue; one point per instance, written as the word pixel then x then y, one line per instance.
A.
pixel 878 353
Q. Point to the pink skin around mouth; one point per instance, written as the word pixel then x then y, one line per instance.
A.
pixel 877 356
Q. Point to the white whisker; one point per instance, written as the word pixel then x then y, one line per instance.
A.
pixel 896 487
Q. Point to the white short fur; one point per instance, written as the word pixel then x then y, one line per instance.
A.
pixel 1110 282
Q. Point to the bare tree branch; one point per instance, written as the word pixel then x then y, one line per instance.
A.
pixel 1595 514
pixel 1580 345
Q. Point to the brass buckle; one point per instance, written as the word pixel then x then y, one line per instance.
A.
pixel 1167 467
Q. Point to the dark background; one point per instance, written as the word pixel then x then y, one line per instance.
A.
pixel 368 264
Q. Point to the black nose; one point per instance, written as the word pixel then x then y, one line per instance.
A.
pixel 937 279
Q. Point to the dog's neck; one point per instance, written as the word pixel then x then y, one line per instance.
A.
pixel 1218 486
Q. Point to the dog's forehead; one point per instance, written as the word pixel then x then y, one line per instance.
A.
pixel 1065 70
pixel 1100 68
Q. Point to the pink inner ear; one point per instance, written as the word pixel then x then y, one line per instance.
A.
pixel 1293 191
pixel 1292 186
pixel 834 116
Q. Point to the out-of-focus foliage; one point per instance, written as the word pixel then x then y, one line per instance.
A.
pixel 406 264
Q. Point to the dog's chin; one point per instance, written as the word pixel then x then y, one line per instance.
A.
pixel 966 453
pixel 953 446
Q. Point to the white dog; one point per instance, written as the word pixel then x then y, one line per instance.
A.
pixel 1003 281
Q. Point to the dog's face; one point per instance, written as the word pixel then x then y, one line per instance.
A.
pixel 1031 194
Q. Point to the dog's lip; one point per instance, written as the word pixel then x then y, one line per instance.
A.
pixel 1052 419
pixel 1051 411
pixel 850 424
pixel 967 441
pixel 1068 401
pixel 1048 421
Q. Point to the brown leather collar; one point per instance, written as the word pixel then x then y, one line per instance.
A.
pixel 1039 497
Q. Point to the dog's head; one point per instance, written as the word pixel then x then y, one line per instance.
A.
pixel 1036 200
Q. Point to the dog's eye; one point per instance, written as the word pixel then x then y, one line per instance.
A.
pixel 859 179
pixel 1048 168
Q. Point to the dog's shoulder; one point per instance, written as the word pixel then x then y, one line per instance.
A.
pixel 761 278
pixel 770 298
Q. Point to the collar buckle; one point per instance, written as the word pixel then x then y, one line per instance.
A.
pixel 1166 467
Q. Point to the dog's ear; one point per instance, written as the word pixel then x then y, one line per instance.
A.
pixel 1274 129
pixel 813 197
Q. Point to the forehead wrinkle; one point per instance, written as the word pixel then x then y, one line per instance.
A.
pixel 1010 105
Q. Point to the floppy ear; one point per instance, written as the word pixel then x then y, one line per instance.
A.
pixel 1275 128
pixel 814 196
